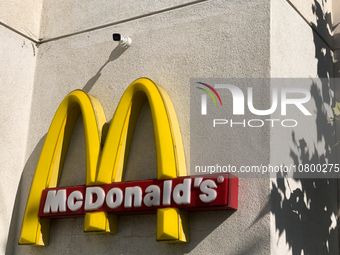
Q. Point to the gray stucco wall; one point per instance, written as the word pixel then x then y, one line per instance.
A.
pixel 207 39
pixel 18 57
pixel 172 42
pixel 304 211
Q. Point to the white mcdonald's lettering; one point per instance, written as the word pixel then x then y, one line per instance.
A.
pixel 90 193
pixel 55 200
pixel 144 196
pixel 72 204
pixel 131 192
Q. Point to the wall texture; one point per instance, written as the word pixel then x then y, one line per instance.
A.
pixel 304 211
pixel 17 75
pixel 23 17
pixel 172 42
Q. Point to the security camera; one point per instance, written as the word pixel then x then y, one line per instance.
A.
pixel 124 41
pixel 116 37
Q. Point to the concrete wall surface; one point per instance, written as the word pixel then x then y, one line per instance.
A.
pixel 22 16
pixel 319 15
pixel 172 41
pixel 67 17
pixel 335 25
pixel 304 211
pixel 208 39
pixel 18 57
pixel 336 40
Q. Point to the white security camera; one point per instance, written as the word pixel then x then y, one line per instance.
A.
pixel 124 41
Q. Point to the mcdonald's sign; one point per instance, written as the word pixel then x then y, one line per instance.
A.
pixel 105 196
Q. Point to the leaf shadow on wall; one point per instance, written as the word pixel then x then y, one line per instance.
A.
pixel 305 210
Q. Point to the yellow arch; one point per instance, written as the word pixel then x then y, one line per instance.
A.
pixel 171 223
pixel 47 174
pixel 169 148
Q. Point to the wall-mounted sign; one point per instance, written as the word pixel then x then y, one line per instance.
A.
pixel 105 194
pixel 188 193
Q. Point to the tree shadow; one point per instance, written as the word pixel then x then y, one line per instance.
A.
pixel 305 210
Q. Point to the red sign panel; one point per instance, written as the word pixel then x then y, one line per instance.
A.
pixel 213 192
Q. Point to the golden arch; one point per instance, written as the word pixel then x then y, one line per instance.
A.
pixel 100 168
